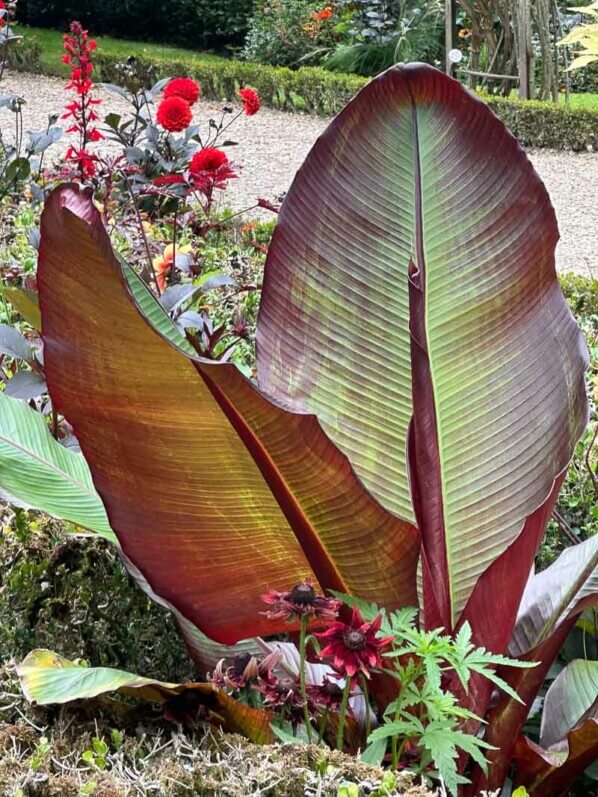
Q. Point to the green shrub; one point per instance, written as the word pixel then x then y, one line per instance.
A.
pixel 25 55
pixel 282 32
pixel 545 124
pixel 189 22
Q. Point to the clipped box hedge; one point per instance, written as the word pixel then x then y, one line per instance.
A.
pixel 316 91
pixel 308 89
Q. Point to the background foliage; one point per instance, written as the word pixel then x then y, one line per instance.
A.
pixel 193 23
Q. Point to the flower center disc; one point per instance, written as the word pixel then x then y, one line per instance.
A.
pixel 354 640
pixel 303 594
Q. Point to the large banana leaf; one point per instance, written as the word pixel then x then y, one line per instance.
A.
pixel 412 270
pixel 48 678
pixel 36 471
pixel 551 604
pixel 214 492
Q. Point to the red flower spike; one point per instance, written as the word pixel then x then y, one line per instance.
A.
pixel 174 114
pixel 251 101
pixel 301 601
pixel 354 648
pixel 189 90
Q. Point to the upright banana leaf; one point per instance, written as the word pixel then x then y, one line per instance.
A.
pixel 412 273
pixel 551 604
pixel 213 492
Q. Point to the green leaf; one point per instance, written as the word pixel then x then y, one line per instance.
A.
pixel 13 343
pixel 47 678
pixel 36 471
pixel 26 304
pixel 287 736
pixel 374 753
pixel 572 696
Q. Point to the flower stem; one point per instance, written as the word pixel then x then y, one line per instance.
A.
pixel 340 734
pixel 323 725
pixel 302 638
pixel 366 697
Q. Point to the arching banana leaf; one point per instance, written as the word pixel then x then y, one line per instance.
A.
pixel 571 699
pixel 214 492
pixel 412 271
pixel 547 773
pixel 47 678
pixel 36 471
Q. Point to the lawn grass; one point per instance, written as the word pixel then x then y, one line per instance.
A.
pixel 51 43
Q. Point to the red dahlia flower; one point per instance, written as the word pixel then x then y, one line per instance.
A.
pixel 174 114
pixel 299 602
pixel 354 648
pixel 183 87
pixel 210 168
pixel 251 101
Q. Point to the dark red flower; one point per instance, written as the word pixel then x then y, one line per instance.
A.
pixel 174 114
pixel 328 695
pixel 251 101
pixel 279 692
pixel 210 168
pixel 243 669
pixel 299 602
pixel 189 90
pixel 267 205
pixel 354 648
pixel 2 18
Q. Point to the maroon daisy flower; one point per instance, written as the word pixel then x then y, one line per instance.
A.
pixel 242 670
pixel 328 694
pixel 283 694
pixel 354 648
pixel 302 600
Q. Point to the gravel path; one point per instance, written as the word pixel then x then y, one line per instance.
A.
pixel 272 146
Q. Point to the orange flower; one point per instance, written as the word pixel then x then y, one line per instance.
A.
pixel 163 263
pixel 464 33
pixel 325 13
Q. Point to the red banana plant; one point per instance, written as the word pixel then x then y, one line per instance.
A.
pixel 420 381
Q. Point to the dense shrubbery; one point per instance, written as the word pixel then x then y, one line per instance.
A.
pixel 192 23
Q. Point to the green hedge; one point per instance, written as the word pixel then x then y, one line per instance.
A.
pixel 190 23
pixel 535 124
pixel 544 124
pixel 308 89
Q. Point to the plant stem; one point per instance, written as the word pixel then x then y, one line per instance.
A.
pixel 148 253
pixel 323 725
pixel 302 637
pixel 340 734
pixel 366 697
